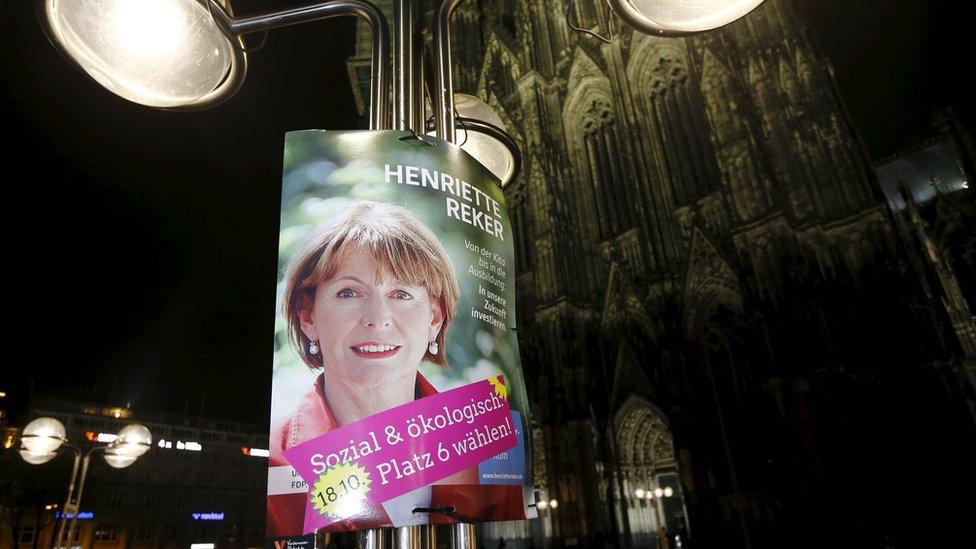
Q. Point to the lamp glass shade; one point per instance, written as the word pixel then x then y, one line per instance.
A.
pixel 44 435
pixel 158 53
pixel 487 150
pixel 688 16
pixel 37 459
pixel 119 461
pixel 490 152
pixel 134 440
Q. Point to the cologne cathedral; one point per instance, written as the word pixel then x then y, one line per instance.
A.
pixel 727 340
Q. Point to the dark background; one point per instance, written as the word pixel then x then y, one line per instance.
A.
pixel 141 244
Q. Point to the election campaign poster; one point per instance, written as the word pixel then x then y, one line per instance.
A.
pixel 398 397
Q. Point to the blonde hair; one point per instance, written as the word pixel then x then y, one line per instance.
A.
pixel 398 243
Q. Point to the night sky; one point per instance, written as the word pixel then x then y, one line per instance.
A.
pixel 141 244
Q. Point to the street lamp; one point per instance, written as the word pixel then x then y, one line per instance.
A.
pixel 159 53
pixel 483 136
pixel 43 437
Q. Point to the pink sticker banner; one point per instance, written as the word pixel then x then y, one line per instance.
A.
pixel 359 466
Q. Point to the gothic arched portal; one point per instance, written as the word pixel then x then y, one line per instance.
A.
pixel 649 486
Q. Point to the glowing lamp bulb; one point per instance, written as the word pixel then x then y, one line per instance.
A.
pixel 158 53
pixel 119 461
pixel 133 441
pixel 37 459
pixel 486 149
pixel 42 436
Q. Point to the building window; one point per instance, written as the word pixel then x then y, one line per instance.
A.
pixel 147 501
pixel 210 502
pixel 106 533
pixel 26 535
pixel 609 170
pixel 208 478
pixel 204 532
pixel 172 532
pixel 142 533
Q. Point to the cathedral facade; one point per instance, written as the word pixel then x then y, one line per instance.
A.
pixel 709 285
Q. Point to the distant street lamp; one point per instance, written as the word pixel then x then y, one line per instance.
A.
pixel 550 504
pixel 44 437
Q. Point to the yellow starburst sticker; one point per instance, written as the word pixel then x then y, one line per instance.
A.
pixel 499 384
pixel 341 491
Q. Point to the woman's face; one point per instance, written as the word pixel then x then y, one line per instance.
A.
pixel 371 328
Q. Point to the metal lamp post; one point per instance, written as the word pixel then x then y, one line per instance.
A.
pixel 44 437
pixel 190 54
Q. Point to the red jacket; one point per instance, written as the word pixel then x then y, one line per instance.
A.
pixel 471 501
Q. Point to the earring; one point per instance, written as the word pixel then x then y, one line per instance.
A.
pixel 313 347
pixel 433 348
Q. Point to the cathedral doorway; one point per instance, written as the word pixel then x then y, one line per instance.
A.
pixel 651 497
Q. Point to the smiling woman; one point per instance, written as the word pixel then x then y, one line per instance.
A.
pixel 367 299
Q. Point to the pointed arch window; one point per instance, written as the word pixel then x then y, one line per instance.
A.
pixel 608 170
pixel 677 112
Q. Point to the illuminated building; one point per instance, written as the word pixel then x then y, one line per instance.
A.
pixel 202 482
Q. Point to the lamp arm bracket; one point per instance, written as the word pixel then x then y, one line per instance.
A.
pixel 571 12
pixel 379 85
pixel 444 78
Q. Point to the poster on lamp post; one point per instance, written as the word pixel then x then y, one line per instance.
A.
pixel 397 394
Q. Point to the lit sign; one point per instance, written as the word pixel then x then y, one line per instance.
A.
pixel 208 516
pixel 84 515
pixel 202 546
pixel 180 445
pixel 255 452
pixel 117 413
pixel 101 437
